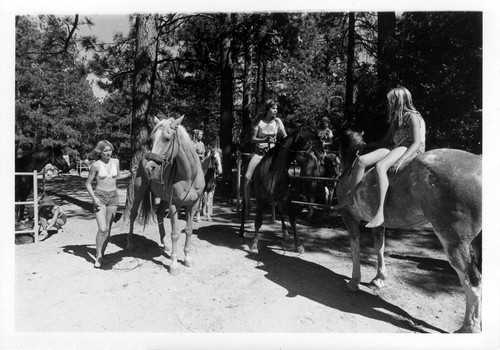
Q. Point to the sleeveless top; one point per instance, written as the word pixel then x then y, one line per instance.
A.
pixel 402 134
pixel 103 172
pixel 267 129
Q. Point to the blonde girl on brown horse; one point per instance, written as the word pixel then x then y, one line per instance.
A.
pixel 404 140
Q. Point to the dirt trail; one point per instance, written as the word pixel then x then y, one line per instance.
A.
pixel 229 289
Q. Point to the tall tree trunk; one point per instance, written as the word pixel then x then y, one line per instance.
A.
pixel 349 88
pixel 142 93
pixel 226 105
pixel 385 49
pixel 246 120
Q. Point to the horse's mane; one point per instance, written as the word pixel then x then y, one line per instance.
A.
pixel 351 145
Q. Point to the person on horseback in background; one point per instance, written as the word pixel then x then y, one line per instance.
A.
pixel 405 139
pixel 326 134
pixel 199 146
pixel 265 132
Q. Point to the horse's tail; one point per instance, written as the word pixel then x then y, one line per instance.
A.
pixel 147 206
pixel 476 249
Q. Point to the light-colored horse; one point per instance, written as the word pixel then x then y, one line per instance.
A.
pixel 172 172
pixel 212 167
pixel 442 187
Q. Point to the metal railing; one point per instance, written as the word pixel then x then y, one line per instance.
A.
pixel 35 228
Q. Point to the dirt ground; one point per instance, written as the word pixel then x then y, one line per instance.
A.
pixel 229 289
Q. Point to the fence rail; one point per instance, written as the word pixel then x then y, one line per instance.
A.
pixel 35 228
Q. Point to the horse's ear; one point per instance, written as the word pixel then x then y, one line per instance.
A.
pixel 362 133
pixel 178 121
pixel 156 120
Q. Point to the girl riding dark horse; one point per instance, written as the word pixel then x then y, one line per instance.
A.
pixel 271 180
pixel 212 167
pixel 442 187
pixel 31 162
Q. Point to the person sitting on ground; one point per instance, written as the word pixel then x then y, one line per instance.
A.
pixel 51 216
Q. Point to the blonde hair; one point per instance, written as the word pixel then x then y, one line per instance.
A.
pixel 99 148
pixel 400 103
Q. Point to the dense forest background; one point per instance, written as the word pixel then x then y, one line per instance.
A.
pixel 218 68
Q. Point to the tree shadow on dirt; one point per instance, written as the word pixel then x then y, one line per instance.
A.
pixel 145 249
pixel 324 286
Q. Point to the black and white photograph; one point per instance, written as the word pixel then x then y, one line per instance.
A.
pixel 283 175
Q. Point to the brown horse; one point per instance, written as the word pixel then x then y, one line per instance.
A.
pixel 442 187
pixel 271 180
pixel 312 166
pixel 172 172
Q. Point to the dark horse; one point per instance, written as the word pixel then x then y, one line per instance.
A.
pixel 29 163
pixel 172 172
pixel 312 166
pixel 271 180
pixel 442 187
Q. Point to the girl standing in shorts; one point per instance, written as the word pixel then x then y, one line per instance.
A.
pixel 105 195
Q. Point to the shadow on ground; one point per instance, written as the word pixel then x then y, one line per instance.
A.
pixel 317 283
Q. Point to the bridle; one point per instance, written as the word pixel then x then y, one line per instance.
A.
pixel 165 159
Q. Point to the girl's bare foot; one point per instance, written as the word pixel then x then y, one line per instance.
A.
pixel 97 263
pixel 376 221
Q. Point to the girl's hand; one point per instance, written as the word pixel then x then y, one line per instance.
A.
pixel 394 169
pixel 97 202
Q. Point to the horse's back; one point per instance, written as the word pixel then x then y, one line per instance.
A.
pixel 442 185
pixel 448 185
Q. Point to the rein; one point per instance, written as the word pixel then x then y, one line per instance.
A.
pixel 164 161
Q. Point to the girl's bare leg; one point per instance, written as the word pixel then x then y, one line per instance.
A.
pixel 383 183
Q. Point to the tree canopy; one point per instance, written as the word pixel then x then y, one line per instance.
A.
pixel 299 59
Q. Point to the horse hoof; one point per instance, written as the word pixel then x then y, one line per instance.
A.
pixel 468 329
pixel 254 248
pixel 189 262
pixel 352 286
pixel 300 249
pixel 377 283
pixel 174 270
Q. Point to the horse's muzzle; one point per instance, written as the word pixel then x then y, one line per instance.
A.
pixel 154 157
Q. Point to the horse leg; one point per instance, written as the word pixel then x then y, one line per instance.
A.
pixel 174 235
pixel 188 259
pixel 461 257
pixel 299 247
pixel 258 223
pixel 160 216
pixel 352 225
pixel 139 189
pixel 379 245
pixel 243 217
pixel 210 204
pixel 284 231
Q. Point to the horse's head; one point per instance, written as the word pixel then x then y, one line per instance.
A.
pixel 351 145
pixel 58 160
pixel 305 141
pixel 216 159
pixel 165 144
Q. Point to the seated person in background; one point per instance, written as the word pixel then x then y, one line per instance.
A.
pixel 51 217
pixel 325 134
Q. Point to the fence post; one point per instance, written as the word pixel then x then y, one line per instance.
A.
pixel 238 180
pixel 35 205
